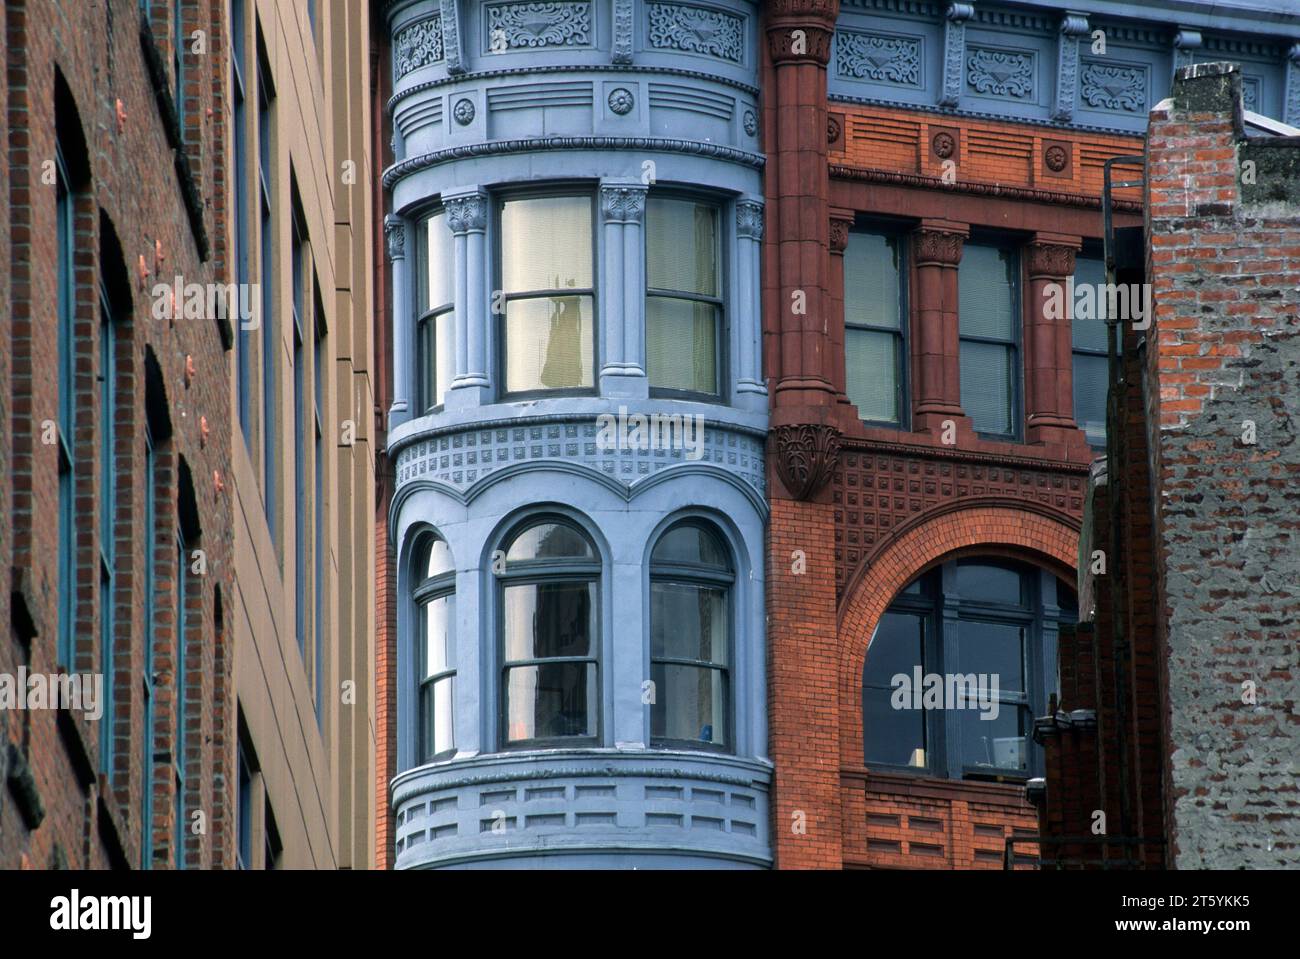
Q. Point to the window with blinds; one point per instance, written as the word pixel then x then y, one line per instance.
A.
pixel 1088 334
pixel 988 308
pixel 435 326
pixel 683 297
pixel 875 344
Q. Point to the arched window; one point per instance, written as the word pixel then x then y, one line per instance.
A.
pixel 434 575
pixel 959 665
pixel 550 644
pixel 690 638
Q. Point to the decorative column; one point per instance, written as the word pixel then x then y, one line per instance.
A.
pixel 622 214
pixel 467 219
pixel 954 51
pixel 1049 359
pixel 936 339
pixel 1073 26
pixel 395 234
pixel 747 378
pixel 841 223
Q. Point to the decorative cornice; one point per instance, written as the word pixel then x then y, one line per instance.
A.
pixel 749 219
pixel 499 147
pixel 931 246
pixel 466 214
pixel 806 457
pixel 1050 260
pixel 623 204
pixel 850 445
pixel 846 98
pixel 395 234
pixel 982 189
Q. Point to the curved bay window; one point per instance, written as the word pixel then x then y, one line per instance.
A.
pixel 691 578
pixel 548 326
pixel 550 643
pixel 435 599
pixel 435 293
pixel 683 297
pixel 959 665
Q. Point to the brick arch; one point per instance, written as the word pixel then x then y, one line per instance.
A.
pixel 1041 537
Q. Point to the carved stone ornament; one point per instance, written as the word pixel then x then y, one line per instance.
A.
pixel 806 457
pixel 622 204
pixel 1056 157
pixel 839 234
pixel 833 129
pixel 395 233
pixel 944 144
pixel 749 219
pixel 751 123
pixel 467 213
pixel 464 111
pixel 938 246
pixel 621 101
pixel 1046 259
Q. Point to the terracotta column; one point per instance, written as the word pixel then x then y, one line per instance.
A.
pixel 1049 360
pixel 936 342
pixel 841 222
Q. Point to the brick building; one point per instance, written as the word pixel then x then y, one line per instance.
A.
pixel 934 179
pixel 1174 742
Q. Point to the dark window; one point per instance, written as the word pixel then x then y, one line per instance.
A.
pixel 436 325
pixel 181 696
pixel 683 321
pixel 1089 334
pixel 319 372
pixel 178 62
pixel 244 846
pixel 988 313
pixel 959 665
pixel 301 384
pixel 550 642
pixel 65 234
pixel 434 574
pixel 152 477
pixel 107 519
pixel 272 846
pixel 691 580
pixel 239 143
pixel 875 341
pixel 270 439
pixel 547 264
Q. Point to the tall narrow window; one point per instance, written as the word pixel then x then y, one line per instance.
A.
pixel 549 638
pixel 271 845
pixel 319 371
pixel 244 821
pixel 64 238
pixel 151 480
pixel 1089 334
pixel 180 696
pixel 683 297
pixel 988 308
pixel 300 386
pixel 874 328
pixel 270 439
pixel 690 638
pixel 435 599
pixel 178 62
pixel 436 323
pixel 548 330
pixel 107 519
pixel 239 201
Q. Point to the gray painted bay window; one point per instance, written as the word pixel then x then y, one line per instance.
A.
pixel 435 293
pixel 989 321
pixel 435 598
pixel 548 320
pixel 683 297
pixel 549 589
pixel 874 331
pixel 690 638
pixel 1089 334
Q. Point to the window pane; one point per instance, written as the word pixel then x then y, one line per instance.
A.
pixel 990 583
pixel 871 287
pixel 436 726
pixel 992 649
pixel 985 281
pixel 437 358
pixel 439 626
pixel 549 619
pixel 553 699
pixel 894 736
pixel 998 743
pixel 440 277
pixel 1087 309
pixel 895 648
pixel 986 386
pixel 871 364
pixel 549 541
pixel 1091 382
pixel 690 703
pixel 546 244
pixel 681 345
pixel 688 622
pixel 681 246
pixel 690 545
pixel 548 342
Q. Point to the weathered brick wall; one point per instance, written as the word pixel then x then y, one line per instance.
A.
pixel 133 229
pixel 1224 353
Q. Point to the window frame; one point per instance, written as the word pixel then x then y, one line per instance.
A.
pixel 180 695
pixel 432 313
pixel 148 694
pixel 427 590
pixel 532 573
pixel 239 147
pixel 108 332
pixel 66 307
pixel 903 382
pixel 1015 344
pixel 1077 351
pixel 722 328
pixel 498 201
pixel 298 243
pixel 267 223
pixel 706 577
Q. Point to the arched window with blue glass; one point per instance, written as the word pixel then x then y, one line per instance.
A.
pixel 548 610
pixel 691 587
pixel 959 666
pixel 434 575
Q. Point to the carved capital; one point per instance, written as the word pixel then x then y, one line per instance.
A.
pixel 840 233
pixel 467 214
pixel 749 219
pixel 395 234
pixel 1050 260
pixel 940 247
pixel 800 31
pixel 622 204
pixel 806 457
